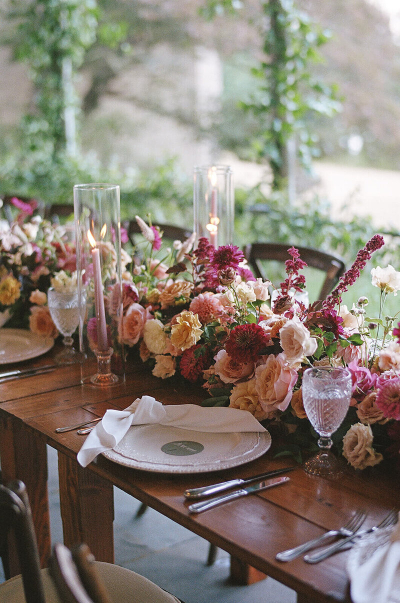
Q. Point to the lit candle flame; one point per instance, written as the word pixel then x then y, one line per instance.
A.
pixel 91 238
pixel 103 231
pixel 212 174
pixel 212 228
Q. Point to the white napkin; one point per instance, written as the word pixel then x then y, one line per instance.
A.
pixel 378 578
pixel 115 423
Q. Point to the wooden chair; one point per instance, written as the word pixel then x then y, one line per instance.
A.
pixel 37 586
pixel 170 231
pixel 332 265
pixel 58 210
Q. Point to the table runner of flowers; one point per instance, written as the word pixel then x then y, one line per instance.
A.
pixel 199 312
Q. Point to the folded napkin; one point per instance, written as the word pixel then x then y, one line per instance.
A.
pixel 378 578
pixel 115 423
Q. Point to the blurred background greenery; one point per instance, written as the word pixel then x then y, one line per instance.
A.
pixel 139 92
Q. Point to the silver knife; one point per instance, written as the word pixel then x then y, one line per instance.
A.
pixel 27 371
pixel 31 373
pixel 196 493
pixel 218 500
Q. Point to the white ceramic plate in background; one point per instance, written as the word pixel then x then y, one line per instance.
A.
pixel 17 345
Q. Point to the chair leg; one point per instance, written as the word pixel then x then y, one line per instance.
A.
pixel 212 554
pixel 141 510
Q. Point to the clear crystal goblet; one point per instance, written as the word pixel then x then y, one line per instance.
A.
pixel 64 310
pixel 326 399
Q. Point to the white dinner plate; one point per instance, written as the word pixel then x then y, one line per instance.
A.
pixel 17 345
pixel 166 449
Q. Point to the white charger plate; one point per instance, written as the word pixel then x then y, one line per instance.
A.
pixel 17 345
pixel 166 449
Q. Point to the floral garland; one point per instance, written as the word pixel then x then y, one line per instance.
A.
pixel 201 314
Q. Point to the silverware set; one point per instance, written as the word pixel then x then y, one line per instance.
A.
pixel 348 535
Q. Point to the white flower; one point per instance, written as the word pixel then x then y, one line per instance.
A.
pixel 186 247
pixel 245 293
pixel 296 341
pixel 350 320
pixel 147 232
pixel 154 336
pixel 261 289
pixel 61 281
pixel 386 279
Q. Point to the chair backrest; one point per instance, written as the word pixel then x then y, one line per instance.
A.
pixel 58 210
pixel 75 576
pixel 16 517
pixel 332 265
pixel 170 231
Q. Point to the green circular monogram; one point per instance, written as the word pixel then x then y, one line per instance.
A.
pixel 182 448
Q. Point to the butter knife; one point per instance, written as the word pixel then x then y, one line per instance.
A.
pixel 20 373
pixel 252 489
pixel 196 493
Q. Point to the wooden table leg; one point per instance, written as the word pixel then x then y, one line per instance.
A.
pixel 87 508
pixel 24 457
pixel 243 574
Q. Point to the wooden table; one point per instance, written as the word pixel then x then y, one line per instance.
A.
pixel 252 529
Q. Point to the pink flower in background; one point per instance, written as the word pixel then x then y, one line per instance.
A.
pixel 388 398
pixel 157 238
pixel 362 378
pixel 274 382
pixel 26 208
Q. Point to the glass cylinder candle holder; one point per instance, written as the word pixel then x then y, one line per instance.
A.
pixel 213 203
pixel 98 259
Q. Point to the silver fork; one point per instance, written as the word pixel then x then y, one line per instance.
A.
pixel 348 529
pixel 389 520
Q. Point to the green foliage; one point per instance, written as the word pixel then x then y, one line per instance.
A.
pixel 288 92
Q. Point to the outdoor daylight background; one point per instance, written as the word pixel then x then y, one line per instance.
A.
pixel 139 92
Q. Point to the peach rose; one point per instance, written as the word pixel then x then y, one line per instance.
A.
pixel 158 269
pixel 389 357
pixel 245 397
pixel 297 404
pixel 368 412
pixel 38 297
pixel 230 371
pixel 40 322
pixel 165 366
pixel 175 293
pixel 275 381
pixel 132 324
pixel 357 447
pixel 296 341
pixel 144 351
pixel 187 330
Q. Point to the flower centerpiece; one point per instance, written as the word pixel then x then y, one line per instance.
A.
pixel 200 313
pixel 32 251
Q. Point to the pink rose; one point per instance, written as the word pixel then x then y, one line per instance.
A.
pixel 389 357
pixel 158 269
pixel 362 378
pixel 274 382
pixel 230 371
pixel 40 322
pixel 132 324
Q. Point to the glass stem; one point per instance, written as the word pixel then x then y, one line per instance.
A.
pixel 68 341
pixel 325 443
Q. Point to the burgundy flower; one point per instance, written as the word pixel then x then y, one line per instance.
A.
pixel 245 342
pixel 226 256
pixel 388 398
pixel 350 277
pixel 246 274
pixel 204 250
pixel 194 361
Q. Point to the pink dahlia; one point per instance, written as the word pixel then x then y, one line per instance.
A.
pixel 388 398
pixel 194 361
pixel 207 306
pixel 245 342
